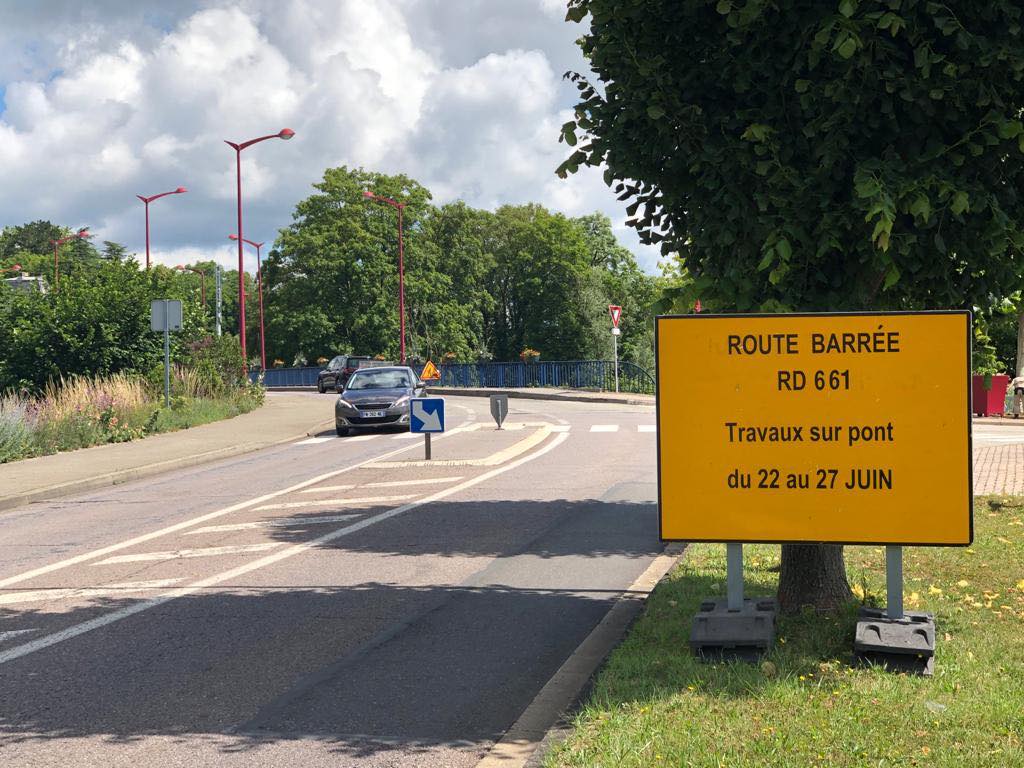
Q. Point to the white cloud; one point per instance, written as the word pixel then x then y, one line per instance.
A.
pixel 104 102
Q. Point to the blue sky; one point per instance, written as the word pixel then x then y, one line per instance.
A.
pixel 104 100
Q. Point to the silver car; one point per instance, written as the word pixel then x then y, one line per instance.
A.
pixel 375 398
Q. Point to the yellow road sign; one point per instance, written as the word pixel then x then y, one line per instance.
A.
pixel 430 372
pixel 844 428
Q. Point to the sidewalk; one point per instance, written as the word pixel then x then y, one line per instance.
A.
pixel 548 393
pixel 283 417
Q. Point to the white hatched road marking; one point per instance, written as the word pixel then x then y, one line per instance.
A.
pixel 335 502
pixel 406 436
pixel 328 488
pixel 314 440
pixel 35 595
pixel 185 524
pixel 178 554
pixel 424 481
pixel 295 549
pixel 287 522
pixel 559 427
pixel 11 634
pixel 360 438
pixel 605 428
pixel 646 428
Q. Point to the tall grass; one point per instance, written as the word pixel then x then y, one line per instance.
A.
pixel 79 412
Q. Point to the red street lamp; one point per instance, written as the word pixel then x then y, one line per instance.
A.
pixel 259 283
pixel 83 232
pixel 284 133
pixel 12 268
pixel 147 201
pixel 400 207
pixel 202 284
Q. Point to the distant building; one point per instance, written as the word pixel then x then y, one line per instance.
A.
pixel 27 283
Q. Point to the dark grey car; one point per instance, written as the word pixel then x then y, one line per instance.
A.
pixel 375 398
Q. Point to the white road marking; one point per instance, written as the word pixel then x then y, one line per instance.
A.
pixel 86 556
pixel 12 633
pixel 646 428
pixel 424 481
pixel 287 522
pixel 38 595
pixel 406 436
pixel 605 428
pixel 559 427
pixel 314 440
pixel 178 554
pixel 295 549
pixel 335 502
pixel 360 438
pixel 328 488
pixel 490 461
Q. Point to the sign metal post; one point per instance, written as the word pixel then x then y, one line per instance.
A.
pixel 616 314
pixel 217 276
pixel 734 576
pixel 165 316
pixel 894 582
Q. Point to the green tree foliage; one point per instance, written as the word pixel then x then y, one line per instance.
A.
pixel 814 155
pixel 805 155
pixel 477 284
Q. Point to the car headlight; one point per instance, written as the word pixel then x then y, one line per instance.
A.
pixel 346 404
pixel 400 401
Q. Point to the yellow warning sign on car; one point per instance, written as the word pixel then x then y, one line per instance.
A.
pixel 430 372
pixel 843 428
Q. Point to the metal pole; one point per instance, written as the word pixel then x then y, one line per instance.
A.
pixel 263 334
pixel 217 289
pixel 734 576
pixel 241 263
pixel 894 582
pixel 167 355
pixel 401 284
pixel 426 445
pixel 147 232
pixel 56 267
pixel 615 342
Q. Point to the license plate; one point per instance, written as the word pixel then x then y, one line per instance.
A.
pixel 371 414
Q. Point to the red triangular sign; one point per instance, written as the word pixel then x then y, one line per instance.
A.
pixel 430 372
pixel 616 313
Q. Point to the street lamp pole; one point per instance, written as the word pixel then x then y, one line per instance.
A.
pixel 147 201
pixel 83 232
pixel 284 133
pixel 259 284
pixel 400 207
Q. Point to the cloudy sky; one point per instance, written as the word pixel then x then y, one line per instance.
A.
pixel 101 100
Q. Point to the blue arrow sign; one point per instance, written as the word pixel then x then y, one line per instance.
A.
pixel 426 414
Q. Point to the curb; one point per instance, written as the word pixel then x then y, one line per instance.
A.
pixel 513 393
pixel 146 470
pixel 542 722
pixel 997 421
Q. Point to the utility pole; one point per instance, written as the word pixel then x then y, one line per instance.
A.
pixel 217 288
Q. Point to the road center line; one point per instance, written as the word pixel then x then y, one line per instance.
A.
pixel 130 610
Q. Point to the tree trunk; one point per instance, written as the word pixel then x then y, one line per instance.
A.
pixel 813 575
pixel 1019 363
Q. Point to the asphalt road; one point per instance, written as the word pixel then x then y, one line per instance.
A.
pixel 330 602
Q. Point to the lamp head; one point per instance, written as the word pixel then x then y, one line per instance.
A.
pixel 232 237
pixel 286 133
pixel 368 194
pixel 179 190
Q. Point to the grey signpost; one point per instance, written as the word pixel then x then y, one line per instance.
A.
pixel 217 276
pixel 165 316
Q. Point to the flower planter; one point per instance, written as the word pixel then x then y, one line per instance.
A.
pixel 990 401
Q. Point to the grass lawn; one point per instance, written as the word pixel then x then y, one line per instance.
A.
pixel 805 705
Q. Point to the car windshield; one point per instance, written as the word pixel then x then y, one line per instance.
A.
pixel 370 379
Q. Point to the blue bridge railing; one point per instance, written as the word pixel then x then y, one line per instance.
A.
pixel 287 377
pixel 596 375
